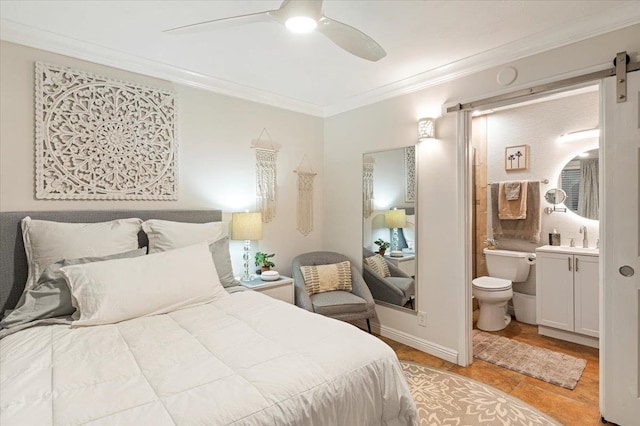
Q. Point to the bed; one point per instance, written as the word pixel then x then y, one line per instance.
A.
pixel 241 359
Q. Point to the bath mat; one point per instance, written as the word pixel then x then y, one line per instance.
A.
pixel 553 367
pixel 444 398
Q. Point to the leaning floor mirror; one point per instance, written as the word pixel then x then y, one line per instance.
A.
pixel 389 232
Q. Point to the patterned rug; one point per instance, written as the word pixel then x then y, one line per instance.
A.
pixel 449 399
pixel 553 367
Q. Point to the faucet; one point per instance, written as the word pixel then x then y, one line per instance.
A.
pixel 585 241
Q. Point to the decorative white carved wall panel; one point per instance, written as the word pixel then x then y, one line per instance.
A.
pixel 410 174
pixel 102 139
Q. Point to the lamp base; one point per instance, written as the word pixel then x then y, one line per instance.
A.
pixel 395 240
pixel 246 256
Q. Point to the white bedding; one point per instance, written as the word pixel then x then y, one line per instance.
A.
pixel 244 360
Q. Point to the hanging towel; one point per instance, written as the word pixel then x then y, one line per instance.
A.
pixel 512 190
pixel 512 210
pixel 525 229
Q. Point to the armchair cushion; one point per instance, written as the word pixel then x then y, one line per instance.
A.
pixel 406 285
pixel 338 302
pixel 323 278
pixel 350 307
pixel 379 265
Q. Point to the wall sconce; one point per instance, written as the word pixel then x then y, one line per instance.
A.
pixel 426 129
pixel 582 134
pixel 247 227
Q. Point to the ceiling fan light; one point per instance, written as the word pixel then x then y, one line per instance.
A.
pixel 301 24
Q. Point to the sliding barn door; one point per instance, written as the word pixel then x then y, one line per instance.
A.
pixel 620 229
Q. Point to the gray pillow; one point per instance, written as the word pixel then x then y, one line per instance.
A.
pixel 222 259
pixel 50 297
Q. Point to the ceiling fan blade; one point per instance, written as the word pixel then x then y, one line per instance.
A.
pixel 351 39
pixel 222 23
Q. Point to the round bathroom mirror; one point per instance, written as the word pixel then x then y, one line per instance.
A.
pixel 579 180
pixel 555 196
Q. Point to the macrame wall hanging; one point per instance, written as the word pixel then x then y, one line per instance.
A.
pixel 266 156
pixel 367 186
pixel 103 139
pixel 306 176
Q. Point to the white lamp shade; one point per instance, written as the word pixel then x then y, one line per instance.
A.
pixel 395 218
pixel 246 226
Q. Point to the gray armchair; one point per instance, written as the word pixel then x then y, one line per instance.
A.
pixel 398 289
pixel 337 304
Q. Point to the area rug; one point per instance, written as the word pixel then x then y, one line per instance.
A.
pixel 445 398
pixel 553 367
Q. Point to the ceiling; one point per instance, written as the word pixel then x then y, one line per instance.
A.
pixel 424 40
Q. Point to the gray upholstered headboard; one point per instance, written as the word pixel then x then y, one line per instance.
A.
pixel 13 260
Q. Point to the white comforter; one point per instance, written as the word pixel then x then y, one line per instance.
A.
pixel 244 360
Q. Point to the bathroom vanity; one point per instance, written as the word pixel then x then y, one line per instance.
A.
pixel 567 293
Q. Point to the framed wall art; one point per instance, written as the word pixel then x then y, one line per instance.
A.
pixel 103 139
pixel 516 157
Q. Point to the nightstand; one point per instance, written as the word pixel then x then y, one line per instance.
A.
pixel 406 263
pixel 281 289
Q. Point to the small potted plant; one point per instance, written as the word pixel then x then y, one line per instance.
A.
pixel 383 246
pixel 491 243
pixel 262 260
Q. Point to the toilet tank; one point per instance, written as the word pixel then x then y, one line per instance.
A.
pixel 507 264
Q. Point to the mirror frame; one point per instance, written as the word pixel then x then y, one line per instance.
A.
pixel 555 201
pixel 415 194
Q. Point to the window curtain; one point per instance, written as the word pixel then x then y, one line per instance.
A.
pixel 588 201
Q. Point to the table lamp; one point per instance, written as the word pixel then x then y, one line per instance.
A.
pixel 395 219
pixel 246 226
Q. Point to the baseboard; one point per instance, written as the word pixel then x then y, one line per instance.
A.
pixel 580 339
pixel 415 342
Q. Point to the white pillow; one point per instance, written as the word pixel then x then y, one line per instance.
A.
pixel 167 235
pixel 117 290
pixel 47 242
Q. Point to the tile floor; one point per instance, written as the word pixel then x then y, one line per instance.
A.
pixel 570 407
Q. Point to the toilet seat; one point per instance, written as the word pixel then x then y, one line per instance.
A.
pixel 491 284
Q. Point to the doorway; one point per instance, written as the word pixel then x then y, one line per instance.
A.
pixel 535 129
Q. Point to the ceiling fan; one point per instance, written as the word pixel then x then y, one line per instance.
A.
pixel 300 16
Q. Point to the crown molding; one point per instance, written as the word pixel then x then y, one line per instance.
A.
pixel 624 16
pixel 28 36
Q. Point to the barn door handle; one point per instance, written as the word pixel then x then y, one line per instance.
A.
pixel 626 271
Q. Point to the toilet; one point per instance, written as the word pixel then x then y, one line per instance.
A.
pixel 493 292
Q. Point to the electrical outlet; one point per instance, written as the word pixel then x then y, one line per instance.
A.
pixel 422 319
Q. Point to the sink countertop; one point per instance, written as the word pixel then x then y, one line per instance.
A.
pixel 591 251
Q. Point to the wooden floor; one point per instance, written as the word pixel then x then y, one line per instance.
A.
pixel 570 407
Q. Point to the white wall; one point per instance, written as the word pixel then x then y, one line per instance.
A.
pixel 393 123
pixel 216 164
pixel 388 179
pixel 539 125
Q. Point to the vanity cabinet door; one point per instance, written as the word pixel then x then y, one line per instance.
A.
pixel 554 290
pixel 587 320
